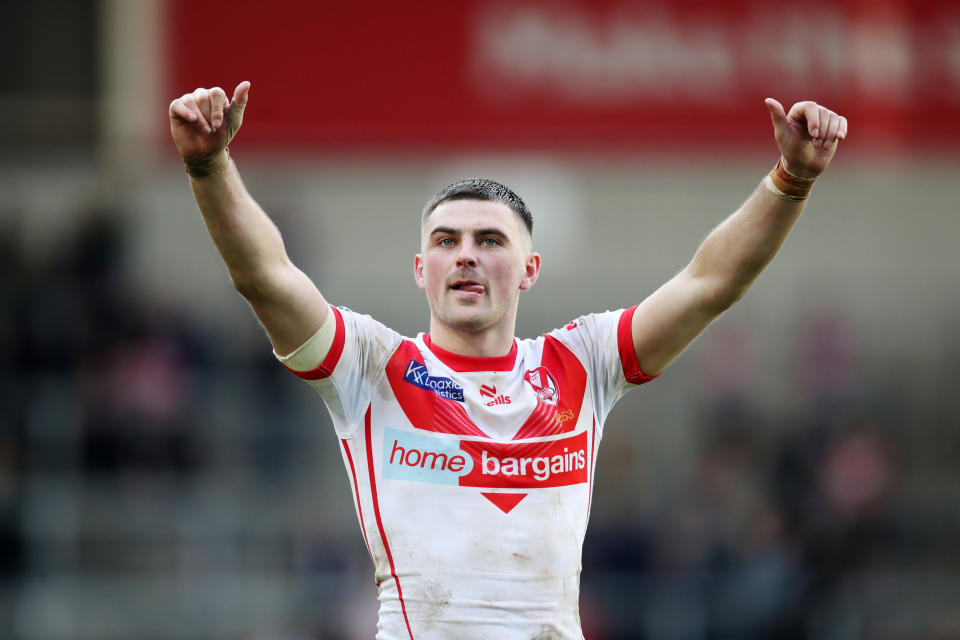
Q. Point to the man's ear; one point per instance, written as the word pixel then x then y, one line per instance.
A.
pixel 531 271
pixel 418 271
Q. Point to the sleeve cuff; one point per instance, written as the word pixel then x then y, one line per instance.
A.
pixel 319 347
pixel 628 353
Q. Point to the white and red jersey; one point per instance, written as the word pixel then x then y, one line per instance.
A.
pixel 472 476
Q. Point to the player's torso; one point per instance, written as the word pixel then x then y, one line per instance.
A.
pixel 474 490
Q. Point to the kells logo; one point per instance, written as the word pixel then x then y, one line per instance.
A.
pixel 417 375
pixel 490 391
pixel 543 384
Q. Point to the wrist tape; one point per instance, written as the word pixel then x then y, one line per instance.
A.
pixel 212 165
pixel 787 186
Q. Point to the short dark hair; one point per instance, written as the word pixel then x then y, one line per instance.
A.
pixel 480 189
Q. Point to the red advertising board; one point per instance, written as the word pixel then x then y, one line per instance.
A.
pixel 574 74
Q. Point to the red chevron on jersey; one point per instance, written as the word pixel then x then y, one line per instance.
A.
pixel 505 501
pixel 425 409
pixel 562 378
pixel 560 372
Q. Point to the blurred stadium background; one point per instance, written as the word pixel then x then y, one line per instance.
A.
pixel 793 475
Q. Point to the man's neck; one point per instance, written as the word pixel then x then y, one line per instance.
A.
pixel 492 343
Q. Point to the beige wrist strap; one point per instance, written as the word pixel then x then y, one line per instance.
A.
pixel 787 186
pixel 212 165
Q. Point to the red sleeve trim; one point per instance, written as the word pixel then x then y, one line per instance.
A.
pixel 333 356
pixel 628 353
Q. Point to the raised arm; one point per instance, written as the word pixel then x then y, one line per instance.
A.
pixel 285 300
pixel 735 252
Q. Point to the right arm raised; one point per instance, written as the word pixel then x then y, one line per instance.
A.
pixel 285 300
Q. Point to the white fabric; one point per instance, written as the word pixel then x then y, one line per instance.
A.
pixel 502 565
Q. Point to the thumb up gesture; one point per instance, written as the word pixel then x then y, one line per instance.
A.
pixel 203 123
pixel 807 136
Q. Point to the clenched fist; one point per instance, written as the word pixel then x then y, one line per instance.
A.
pixel 203 123
pixel 808 136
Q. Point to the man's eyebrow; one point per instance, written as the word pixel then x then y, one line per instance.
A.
pixel 447 230
pixel 491 231
pixel 486 231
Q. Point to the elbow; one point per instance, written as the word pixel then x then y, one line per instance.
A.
pixel 267 282
pixel 253 285
pixel 720 296
pixel 718 290
pixel 247 286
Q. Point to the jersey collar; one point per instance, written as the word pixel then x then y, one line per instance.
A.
pixel 462 364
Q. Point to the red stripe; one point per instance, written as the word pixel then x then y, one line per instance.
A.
pixel 628 353
pixel 593 447
pixel 376 513
pixel 329 363
pixel 356 492
pixel 456 422
pixel 542 422
pixel 463 364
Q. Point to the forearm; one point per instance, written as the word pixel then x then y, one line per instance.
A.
pixel 286 301
pixel 248 241
pixel 737 250
pixel 735 253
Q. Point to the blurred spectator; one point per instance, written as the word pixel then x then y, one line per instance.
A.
pixel 130 364
pixel 827 366
pixel 13 287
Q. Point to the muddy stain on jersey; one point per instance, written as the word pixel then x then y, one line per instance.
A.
pixel 547 632
pixel 379 352
pixel 434 599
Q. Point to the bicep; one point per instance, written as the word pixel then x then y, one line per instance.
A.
pixel 289 306
pixel 670 318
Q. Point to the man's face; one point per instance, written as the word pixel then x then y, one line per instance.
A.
pixel 475 259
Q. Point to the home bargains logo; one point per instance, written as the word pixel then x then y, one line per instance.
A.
pixel 555 463
pixel 484 464
pixel 417 375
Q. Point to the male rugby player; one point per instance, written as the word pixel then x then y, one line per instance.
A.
pixel 470 452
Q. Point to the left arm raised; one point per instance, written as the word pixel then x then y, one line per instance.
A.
pixel 735 252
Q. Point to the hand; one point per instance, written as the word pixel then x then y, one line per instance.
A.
pixel 808 136
pixel 203 123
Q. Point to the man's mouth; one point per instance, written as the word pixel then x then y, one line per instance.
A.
pixel 469 286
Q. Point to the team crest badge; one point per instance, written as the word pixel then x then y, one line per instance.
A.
pixel 543 384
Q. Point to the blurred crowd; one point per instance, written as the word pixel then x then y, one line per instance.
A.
pixel 795 525
pixel 759 541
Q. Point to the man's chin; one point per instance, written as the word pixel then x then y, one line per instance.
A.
pixel 467 322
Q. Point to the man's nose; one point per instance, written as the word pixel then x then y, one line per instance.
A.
pixel 467 256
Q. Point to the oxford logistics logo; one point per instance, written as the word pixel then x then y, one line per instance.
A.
pixel 417 375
